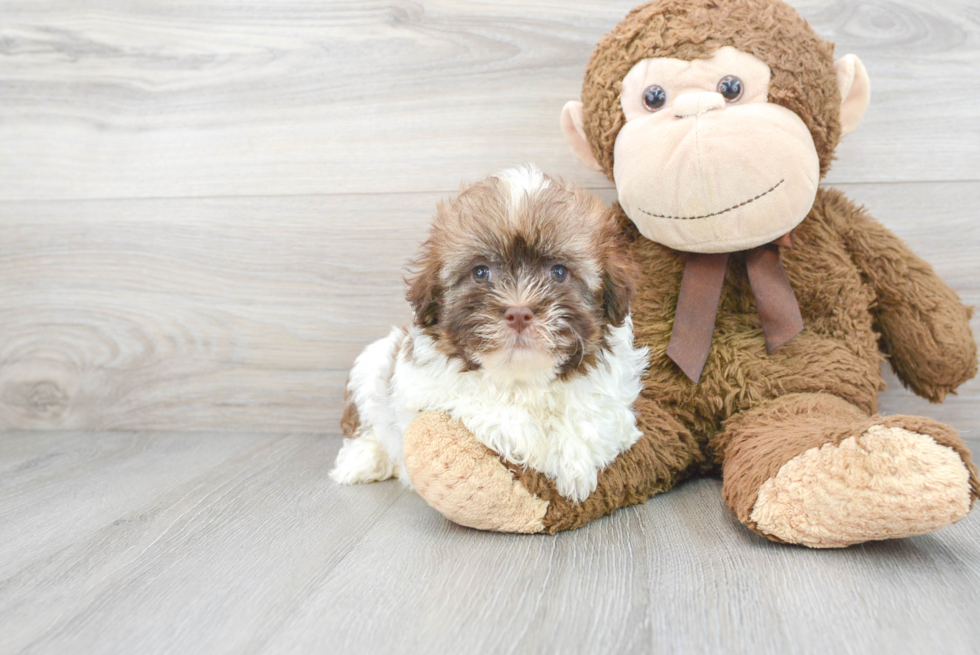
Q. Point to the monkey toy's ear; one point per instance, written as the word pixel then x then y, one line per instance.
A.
pixel 855 92
pixel 571 127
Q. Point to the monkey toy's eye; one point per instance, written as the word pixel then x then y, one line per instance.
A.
pixel 481 273
pixel 559 273
pixel 730 87
pixel 654 98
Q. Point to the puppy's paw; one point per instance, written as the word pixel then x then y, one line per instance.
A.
pixel 362 459
pixel 577 478
pixel 465 481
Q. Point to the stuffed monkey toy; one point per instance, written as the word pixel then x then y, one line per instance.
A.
pixel 767 302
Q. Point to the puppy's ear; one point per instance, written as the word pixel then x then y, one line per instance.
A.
pixel 619 274
pixel 616 299
pixel 424 289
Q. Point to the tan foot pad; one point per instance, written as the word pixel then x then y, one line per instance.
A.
pixel 465 481
pixel 887 483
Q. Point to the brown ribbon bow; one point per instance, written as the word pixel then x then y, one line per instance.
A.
pixel 700 294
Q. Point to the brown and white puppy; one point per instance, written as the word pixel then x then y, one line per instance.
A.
pixel 521 332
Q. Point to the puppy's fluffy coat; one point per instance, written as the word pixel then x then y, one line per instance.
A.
pixel 521 332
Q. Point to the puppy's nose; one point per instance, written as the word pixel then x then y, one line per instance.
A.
pixel 518 318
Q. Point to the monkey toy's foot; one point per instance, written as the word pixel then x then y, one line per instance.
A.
pixel 466 481
pixel 865 478
pixel 887 482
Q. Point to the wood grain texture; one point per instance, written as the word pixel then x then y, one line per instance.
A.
pixel 246 313
pixel 196 313
pixel 138 98
pixel 254 550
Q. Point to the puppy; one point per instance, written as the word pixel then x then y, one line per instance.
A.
pixel 521 331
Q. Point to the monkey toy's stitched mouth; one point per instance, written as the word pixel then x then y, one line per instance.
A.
pixel 741 204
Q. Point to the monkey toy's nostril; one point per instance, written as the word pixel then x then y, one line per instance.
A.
pixel 518 318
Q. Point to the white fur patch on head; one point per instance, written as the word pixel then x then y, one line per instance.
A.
pixel 522 182
pixel 518 203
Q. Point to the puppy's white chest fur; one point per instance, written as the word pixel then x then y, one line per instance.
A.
pixel 567 429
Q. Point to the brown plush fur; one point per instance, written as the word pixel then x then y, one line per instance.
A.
pixel 923 326
pixel 863 294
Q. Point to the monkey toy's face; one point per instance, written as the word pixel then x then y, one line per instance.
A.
pixel 704 161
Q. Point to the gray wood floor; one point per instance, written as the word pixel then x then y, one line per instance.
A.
pixel 205 210
pixel 138 542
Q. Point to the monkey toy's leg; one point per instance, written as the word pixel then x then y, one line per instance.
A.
pixel 812 469
pixel 470 485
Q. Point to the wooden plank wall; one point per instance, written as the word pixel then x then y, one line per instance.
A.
pixel 206 206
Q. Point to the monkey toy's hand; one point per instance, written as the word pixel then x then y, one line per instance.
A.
pixel 466 481
pixel 471 485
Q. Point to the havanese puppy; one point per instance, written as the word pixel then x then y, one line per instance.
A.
pixel 521 332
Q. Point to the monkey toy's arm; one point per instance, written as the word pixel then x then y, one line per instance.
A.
pixel 471 485
pixel 925 329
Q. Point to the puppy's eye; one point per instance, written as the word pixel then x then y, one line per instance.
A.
pixel 654 97
pixel 481 273
pixel 559 273
pixel 730 87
